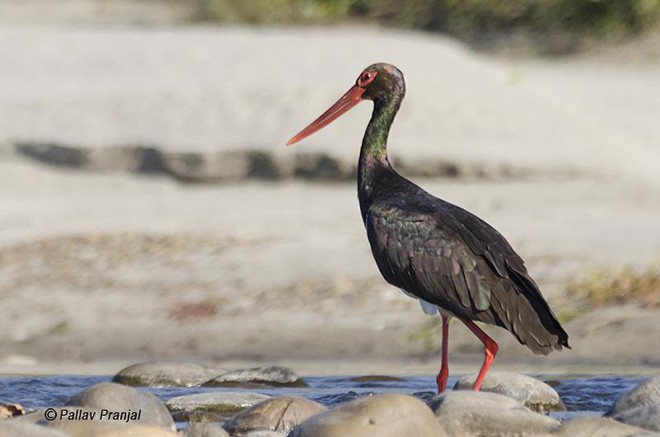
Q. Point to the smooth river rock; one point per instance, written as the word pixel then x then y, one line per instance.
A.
pixel 138 431
pixel 203 429
pixel 488 414
pixel 646 416
pixel 646 393
pixel 280 414
pixel 388 415
pixel 214 406
pixel 534 394
pixel 74 421
pixel 117 397
pixel 13 428
pixel 640 406
pixel 274 376
pixel 598 427
pixel 166 374
pixel 376 379
pixel 265 434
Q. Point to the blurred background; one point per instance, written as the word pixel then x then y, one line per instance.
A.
pixel 149 208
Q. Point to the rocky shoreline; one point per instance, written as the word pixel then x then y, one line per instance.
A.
pixel 509 404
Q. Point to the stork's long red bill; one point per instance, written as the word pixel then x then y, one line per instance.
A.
pixel 345 102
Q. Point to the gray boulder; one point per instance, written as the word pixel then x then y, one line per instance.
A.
pixel 164 374
pixel 274 376
pixel 534 394
pixel 120 398
pixel 389 415
pixel 280 414
pixel 598 427
pixel 488 414
pixel 212 407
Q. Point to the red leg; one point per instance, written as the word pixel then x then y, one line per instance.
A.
pixel 441 379
pixel 491 351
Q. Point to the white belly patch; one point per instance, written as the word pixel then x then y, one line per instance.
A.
pixel 429 308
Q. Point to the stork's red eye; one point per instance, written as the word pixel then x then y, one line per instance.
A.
pixel 366 78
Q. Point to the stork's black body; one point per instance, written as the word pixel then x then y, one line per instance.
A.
pixel 434 250
pixel 449 257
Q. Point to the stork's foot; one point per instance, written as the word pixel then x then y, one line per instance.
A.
pixel 491 351
pixel 441 379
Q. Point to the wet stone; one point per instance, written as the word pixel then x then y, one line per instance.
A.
pixel 280 414
pixel 211 407
pixel 640 406
pixel 273 376
pixel 646 393
pixel 488 414
pixel 390 415
pixel 164 374
pixel 534 394
pixel 376 378
pixel 120 398
pixel 10 409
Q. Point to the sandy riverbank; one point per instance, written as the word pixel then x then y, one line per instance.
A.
pixel 101 265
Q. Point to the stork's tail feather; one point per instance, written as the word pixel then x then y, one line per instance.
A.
pixel 534 324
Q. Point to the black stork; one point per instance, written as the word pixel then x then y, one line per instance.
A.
pixel 456 264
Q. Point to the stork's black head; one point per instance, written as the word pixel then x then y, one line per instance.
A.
pixel 378 82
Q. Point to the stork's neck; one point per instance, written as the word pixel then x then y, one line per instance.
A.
pixel 373 154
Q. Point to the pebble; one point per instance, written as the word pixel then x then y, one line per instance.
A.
pixel 166 374
pixel 214 406
pixel 534 394
pixel 117 397
pixel 280 414
pixel 490 414
pixel 274 376
pixel 388 415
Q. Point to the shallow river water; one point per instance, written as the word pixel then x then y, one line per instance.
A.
pixel 581 394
